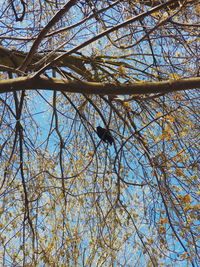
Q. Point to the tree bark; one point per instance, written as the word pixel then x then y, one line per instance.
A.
pixel 138 88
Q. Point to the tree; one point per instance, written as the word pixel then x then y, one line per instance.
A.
pixel 66 198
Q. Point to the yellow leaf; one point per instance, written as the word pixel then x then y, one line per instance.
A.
pixel 186 199
pixel 162 229
pixel 195 177
pixel 183 256
pixel 187 207
pixel 179 172
pixel 163 220
pixel 159 114
pixel 170 118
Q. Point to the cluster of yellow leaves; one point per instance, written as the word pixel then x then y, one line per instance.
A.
pixel 127 106
pixel 163 220
pixel 185 200
pixel 159 114
pixel 174 76
pixel 167 132
pixel 89 155
pixel 162 228
pixel 185 256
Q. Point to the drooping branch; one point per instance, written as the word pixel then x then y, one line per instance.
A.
pixel 138 88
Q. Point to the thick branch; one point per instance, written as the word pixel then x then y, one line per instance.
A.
pixel 30 83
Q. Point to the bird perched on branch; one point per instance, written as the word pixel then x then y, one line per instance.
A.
pixel 105 135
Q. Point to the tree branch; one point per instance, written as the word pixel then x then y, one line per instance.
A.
pixel 139 88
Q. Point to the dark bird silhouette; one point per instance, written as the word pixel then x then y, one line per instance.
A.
pixel 105 135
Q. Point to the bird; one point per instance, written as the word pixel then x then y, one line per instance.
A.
pixel 105 135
